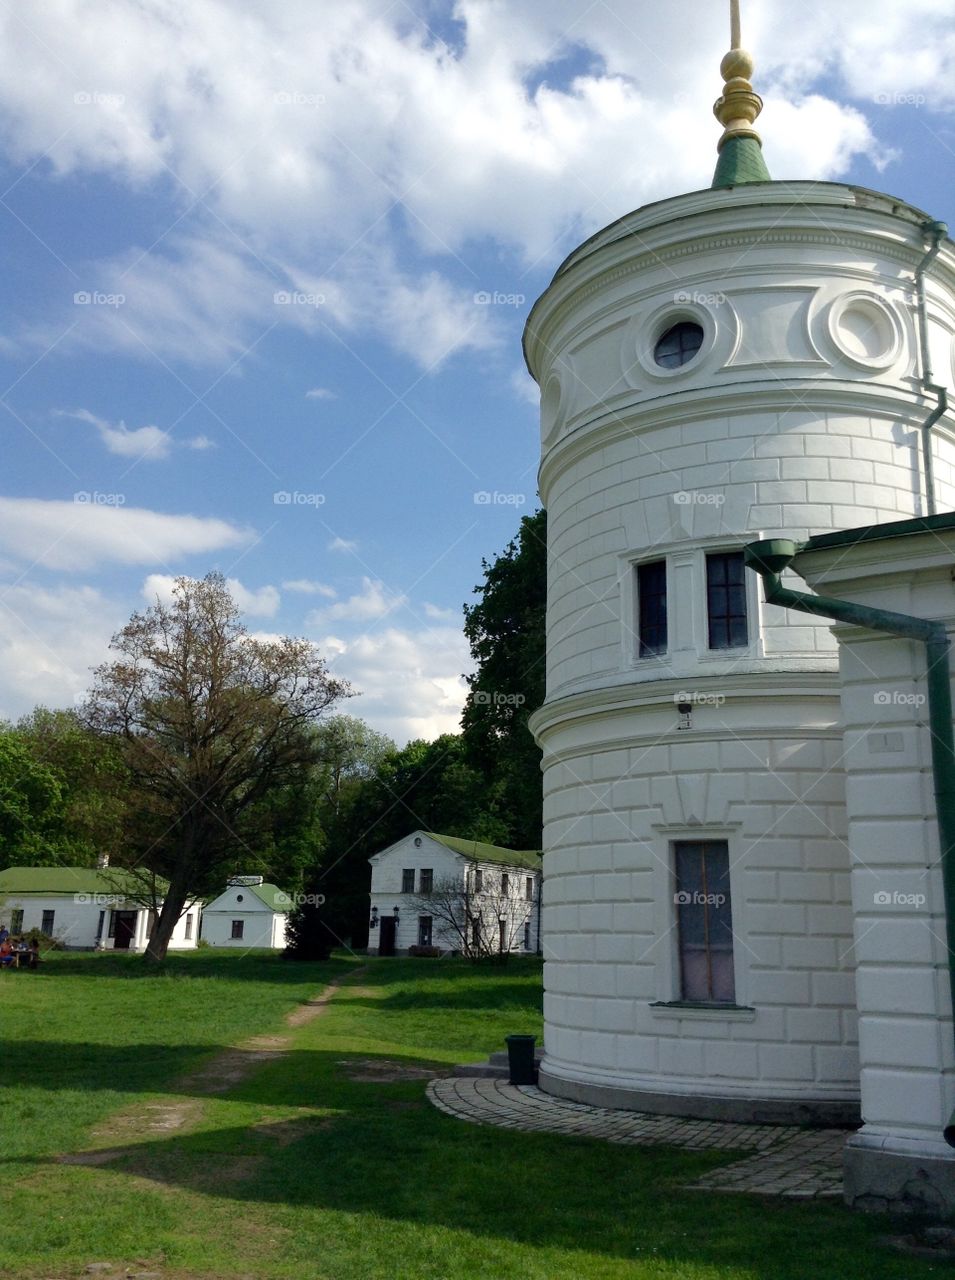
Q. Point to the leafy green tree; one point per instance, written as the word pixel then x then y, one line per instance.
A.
pixel 31 804
pixel 210 722
pixel 505 629
pixel 92 779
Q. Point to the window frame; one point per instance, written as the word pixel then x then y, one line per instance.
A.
pixel 711 554
pixel 407 879
pixel 240 935
pixel 425 927
pixel 719 846
pixel 638 598
pixel 48 922
pixel 426 880
pixel 528 888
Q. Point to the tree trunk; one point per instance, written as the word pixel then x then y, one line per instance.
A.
pixel 172 907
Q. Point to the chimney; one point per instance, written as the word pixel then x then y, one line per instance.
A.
pixel 102 861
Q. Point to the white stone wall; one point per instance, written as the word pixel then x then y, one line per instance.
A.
pixel 799 416
pixel 902 981
pixel 76 919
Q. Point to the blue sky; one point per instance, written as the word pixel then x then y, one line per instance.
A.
pixel 265 271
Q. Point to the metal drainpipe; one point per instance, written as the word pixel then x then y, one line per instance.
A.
pixel 938 231
pixel 768 559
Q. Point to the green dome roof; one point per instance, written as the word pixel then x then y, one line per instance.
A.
pixel 741 161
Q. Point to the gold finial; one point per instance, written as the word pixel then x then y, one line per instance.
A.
pixel 738 106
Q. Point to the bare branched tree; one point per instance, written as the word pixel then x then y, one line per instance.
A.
pixel 480 922
pixel 209 721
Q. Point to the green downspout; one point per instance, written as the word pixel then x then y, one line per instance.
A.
pixel 938 231
pixel 769 559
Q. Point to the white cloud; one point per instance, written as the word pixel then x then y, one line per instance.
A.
pixel 145 443
pixel 410 682
pixel 263 603
pixel 320 393
pixel 200 443
pixel 49 640
pixel 438 614
pixel 307 587
pixel 342 544
pixel 94 529
pixel 360 133
pixel 373 601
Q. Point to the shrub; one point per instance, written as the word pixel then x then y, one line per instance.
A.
pixel 430 952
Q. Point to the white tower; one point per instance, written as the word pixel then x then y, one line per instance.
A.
pixel 728 365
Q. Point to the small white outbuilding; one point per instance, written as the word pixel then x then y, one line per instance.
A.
pixel 249 913
pixel 85 908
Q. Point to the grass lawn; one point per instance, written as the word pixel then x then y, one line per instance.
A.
pixel 301 1170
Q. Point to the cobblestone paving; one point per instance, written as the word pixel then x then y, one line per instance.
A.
pixel 776 1160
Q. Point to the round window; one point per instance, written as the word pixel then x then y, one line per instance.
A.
pixel 238 897
pixel 678 345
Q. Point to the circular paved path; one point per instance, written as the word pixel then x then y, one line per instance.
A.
pixel 775 1159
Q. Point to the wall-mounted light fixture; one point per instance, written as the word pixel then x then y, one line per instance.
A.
pixel 396 917
pixel 373 922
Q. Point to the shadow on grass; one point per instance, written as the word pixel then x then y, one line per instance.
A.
pixel 381 1151
pixel 207 962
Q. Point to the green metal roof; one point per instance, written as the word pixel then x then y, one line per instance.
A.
pixel 478 852
pixel 741 161
pixel 70 880
pixel 874 532
pixel 275 899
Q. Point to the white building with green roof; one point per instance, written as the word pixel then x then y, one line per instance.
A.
pixel 248 913
pixel 430 890
pixel 86 908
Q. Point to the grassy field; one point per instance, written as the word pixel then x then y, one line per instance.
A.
pixel 128 1136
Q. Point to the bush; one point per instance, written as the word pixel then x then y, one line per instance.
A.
pixel 431 953
pixel 43 940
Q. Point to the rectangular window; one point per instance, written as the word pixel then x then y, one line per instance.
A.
pixel 46 923
pixel 407 880
pixel 238 928
pixel 426 881
pixel 189 921
pixel 529 889
pixel 704 921
pixel 726 601
pixel 502 935
pixel 16 920
pixel 424 931
pixel 505 882
pixel 111 931
pixel 475 932
pixel 527 935
pixel 652 608
pixel 478 880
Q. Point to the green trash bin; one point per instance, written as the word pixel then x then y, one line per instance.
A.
pixel 520 1059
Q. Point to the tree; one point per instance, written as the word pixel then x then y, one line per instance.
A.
pixel 31 804
pixel 349 750
pixel 476 914
pixel 92 780
pixel 210 722
pixel 506 633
